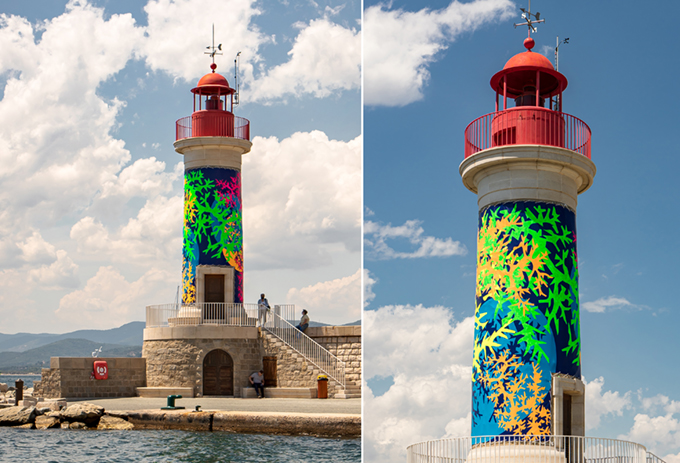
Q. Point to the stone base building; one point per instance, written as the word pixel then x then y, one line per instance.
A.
pixel 217 360
pixel 210 360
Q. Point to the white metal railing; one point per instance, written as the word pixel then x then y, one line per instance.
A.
pixel 306 346
pixel 651 458
pixel 201 313
pixel 287 312
pixel 527 449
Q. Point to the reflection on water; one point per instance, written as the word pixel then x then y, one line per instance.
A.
pixel 56 445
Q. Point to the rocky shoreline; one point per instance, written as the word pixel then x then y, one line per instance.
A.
pixel 89 416
pixel 38 413
pixel 57 415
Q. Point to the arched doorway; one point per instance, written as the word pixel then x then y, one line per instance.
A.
pixel 218 373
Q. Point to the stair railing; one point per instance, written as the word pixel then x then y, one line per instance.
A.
pixel 306 346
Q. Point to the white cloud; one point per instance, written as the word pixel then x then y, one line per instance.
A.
pixel 180 28
pixel 109 299
pixel 32 262
pixel 427 353
pixel 154 236
pixel 53 166
pixel 335 301
pixel 659 434
pixel 145 178
pixel 601 404
pixel 325 58
pixel 376 236
pixel 34 249
pixel 659 401
pixel 606 304
pixel 369 281
pixel 400 45
pixel 303 200
pixel 62 273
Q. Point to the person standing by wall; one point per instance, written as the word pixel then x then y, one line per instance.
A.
pixel 257 380
pixel 262 309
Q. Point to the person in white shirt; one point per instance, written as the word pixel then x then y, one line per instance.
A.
pixel 304 322
pixel 262 309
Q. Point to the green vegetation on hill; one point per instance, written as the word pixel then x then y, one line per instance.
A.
pixel 31 361
pixel 130 334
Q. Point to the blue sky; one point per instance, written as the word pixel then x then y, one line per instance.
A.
pixel 420 243
pixel 91 187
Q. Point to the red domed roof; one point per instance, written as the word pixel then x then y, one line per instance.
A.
pixel 528 58
pixel 213 78
pixel 213 83
pixel 521 71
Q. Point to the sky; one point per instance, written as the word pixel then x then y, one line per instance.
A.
pixel 91 187
pixel 426 77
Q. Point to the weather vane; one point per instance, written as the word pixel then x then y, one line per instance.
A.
pixel 213 50
pixel 526 15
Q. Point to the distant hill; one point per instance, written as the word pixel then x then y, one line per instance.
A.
pixel 31 361
pixel 130 334
pixel 313 324
pixel 356 323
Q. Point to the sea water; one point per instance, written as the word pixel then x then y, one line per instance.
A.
pixel 57 445
pixel 27 379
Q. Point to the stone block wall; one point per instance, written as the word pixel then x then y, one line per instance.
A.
pixel 71 377
pixel 179 362
pixel 292 369
pixel 345 343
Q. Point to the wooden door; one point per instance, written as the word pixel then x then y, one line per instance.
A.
pixel 213 297
pixel 269 367
pixel 214 288
pixel 218 373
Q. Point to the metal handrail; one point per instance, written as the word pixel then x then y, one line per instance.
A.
pixel 530 125
pixel 508 448
pixel 201 313
pixel 306 346
pixel 234 127
pixel 651 458
pixel 213 313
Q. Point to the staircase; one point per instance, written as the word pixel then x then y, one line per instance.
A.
pixel 303 359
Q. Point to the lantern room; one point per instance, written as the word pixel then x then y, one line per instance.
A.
pixel 214 102
pixel 529 78
pixel 536 87
pixel 213 93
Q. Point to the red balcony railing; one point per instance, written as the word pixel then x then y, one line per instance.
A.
pixel 213 124
pixel 527 125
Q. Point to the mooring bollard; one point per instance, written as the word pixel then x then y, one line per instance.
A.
pixel 171 403
pixel 19 393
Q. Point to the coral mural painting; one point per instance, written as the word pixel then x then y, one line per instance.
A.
pixel 527 324
pixel 213 226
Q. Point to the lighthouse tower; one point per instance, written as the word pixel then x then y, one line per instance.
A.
pixel 527 164
pixel 212 141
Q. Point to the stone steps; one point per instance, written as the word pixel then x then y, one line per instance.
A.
pixel 350 392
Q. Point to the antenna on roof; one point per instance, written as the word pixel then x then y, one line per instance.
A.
pixel 213 50
pixel 237 61
pixel 558 103
pixel 526 16
pixel 557 51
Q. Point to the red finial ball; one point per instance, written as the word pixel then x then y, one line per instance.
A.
pixel 529 43
pixel 213 66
